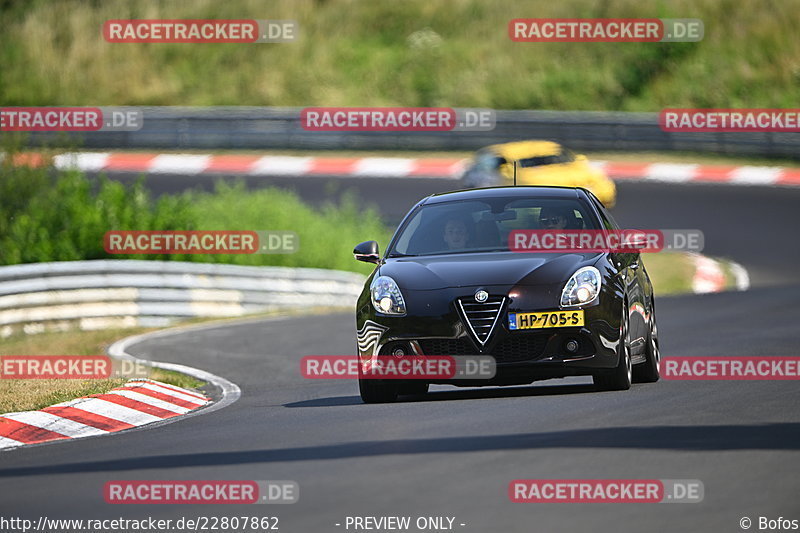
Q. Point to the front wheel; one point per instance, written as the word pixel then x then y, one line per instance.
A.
pixel 649 371
pixel 377 390
pixel 414 387
pixel 620 377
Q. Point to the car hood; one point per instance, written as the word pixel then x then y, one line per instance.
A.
pixel 479 269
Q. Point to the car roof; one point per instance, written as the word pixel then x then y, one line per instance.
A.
pixel 521 191
pixel 525 149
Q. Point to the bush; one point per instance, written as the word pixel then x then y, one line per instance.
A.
pixel 326 235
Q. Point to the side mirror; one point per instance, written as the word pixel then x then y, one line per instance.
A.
pixel 368 252
pixel 635 239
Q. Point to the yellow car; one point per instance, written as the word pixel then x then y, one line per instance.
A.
pixel 538 163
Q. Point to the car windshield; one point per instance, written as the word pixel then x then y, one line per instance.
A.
pixel 565 156
pixel 488 161
pixel 472 226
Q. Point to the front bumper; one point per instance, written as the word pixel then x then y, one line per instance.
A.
pixel 434 325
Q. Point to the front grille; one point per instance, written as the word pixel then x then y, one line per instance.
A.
pixel 447 347
pixel 482 317
pixel 510 350
pixel 520 348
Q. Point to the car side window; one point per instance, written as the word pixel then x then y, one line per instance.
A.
pixel 539 161
pixel 405 238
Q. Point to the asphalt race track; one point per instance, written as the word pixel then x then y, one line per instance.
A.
pixel 455 452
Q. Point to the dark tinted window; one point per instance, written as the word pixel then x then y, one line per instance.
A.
pixel 565 156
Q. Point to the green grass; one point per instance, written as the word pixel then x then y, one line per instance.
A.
pixel 326 234
pixel 175 378
pixel 415 53
pixel 671 273
pixel 31 394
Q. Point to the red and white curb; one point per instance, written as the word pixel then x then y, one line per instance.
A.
pixel 687 173
pixel 710 277
pixel 191 164
pixel 136 403
pixel 394 167
pixel 163 403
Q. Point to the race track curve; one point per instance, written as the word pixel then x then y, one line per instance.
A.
pixel 455 452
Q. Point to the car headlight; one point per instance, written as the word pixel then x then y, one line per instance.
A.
pixel 582 288
pixel 386 296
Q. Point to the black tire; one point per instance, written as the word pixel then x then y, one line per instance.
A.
pixel 377 390
pixel 620 377
pixel 414 388
pixel 650 370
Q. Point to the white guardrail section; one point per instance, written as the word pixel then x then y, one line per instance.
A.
pixel 124 293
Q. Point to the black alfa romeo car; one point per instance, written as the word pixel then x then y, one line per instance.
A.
pixel 449 284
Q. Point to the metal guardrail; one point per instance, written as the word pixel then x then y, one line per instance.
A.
pixel 123 293
pixel 174 128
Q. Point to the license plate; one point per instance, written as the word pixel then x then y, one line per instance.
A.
pixel 545 319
